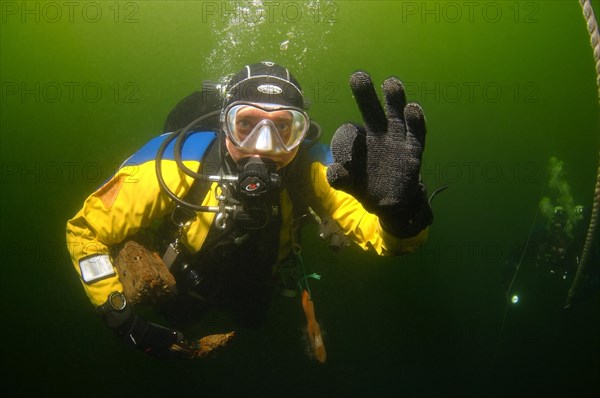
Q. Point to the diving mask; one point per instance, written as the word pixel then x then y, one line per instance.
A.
pixel 266 129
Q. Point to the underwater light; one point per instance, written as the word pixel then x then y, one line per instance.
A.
pixel 514 299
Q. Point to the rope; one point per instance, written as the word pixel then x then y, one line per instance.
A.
pixel 593 219
pixel 592 26
pixel 588 242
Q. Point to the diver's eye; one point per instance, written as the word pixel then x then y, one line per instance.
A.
pixel 283 126
pixel 243 126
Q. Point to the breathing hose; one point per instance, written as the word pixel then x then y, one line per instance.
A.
pixel 180 136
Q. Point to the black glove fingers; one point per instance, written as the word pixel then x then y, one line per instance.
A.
pixel 395 99
pixel 368 102
pixel 415 123
pixel 339 178
pixel 343 141
pixel 347 148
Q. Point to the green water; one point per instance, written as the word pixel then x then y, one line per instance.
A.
pixel 505 85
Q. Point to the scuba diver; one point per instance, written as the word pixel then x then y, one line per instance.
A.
pixel 545 263
pixel 238 165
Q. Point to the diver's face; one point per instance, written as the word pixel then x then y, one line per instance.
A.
pixel 246 121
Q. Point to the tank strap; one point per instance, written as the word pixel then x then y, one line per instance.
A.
pixel 168 229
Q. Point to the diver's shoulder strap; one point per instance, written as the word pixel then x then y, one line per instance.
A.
pixel 196 194
pixel 210 160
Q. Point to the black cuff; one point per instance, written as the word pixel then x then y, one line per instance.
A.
pixel 406 223
pixel 116 319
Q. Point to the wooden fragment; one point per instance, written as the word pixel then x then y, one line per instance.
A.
pixel 208 344
pixel 143 274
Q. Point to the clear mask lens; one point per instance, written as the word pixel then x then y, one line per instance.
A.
pixel 268 129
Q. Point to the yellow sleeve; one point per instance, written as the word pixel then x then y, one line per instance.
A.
pixel 358 224
pixel 129 201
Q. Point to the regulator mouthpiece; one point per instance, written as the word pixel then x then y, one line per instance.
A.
pixel 257 176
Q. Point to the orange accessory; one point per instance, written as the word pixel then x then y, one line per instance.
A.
pixel 314 331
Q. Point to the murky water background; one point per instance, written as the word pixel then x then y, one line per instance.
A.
pixel 505 86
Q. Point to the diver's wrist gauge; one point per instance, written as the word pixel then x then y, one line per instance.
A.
pixel 116 302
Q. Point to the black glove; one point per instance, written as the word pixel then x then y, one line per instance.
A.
pixel 379 163
pixel 155 340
